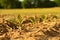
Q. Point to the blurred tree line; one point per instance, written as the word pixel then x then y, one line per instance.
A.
pixel 6 4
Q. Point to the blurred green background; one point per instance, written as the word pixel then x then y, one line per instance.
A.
pixel 12 4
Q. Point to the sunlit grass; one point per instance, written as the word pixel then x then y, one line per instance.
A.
pixel 36 11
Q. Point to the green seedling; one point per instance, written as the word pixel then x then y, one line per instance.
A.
pixel 32 20
pixel 20 19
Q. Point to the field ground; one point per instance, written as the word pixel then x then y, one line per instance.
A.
pixel 16 27
pixel 38 11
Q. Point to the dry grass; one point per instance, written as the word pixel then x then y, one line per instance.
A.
pixel 33 11
pixel 30 28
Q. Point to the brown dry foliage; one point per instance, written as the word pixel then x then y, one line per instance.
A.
pixel 31 28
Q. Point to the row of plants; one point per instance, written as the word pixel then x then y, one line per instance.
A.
pixel 48 24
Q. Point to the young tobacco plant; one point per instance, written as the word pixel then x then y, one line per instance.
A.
pixel 20 19
pixel 32 20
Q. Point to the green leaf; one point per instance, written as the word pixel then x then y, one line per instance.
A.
pixel 20 19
